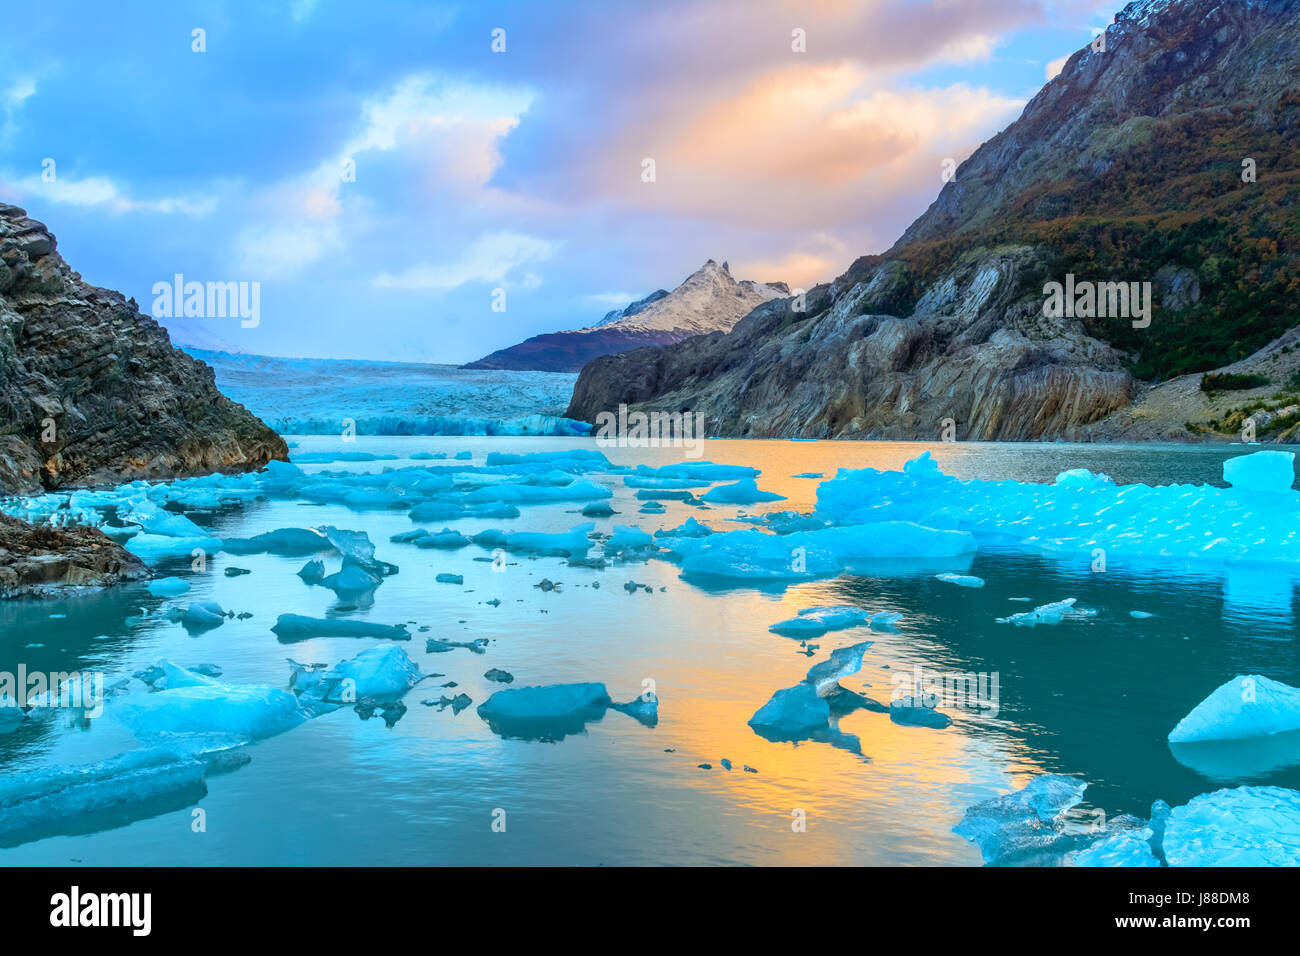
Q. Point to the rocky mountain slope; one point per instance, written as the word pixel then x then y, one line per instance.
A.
pixel 1130 166
pixel 92 391
pixel 710 300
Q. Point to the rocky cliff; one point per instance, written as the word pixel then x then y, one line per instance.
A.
pixel 710 300
pixel 92 391
pixel 1167 157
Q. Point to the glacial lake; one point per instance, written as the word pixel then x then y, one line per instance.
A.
pixel 1095 697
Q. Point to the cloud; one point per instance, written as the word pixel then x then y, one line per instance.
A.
pixel 491 258
pixel 439 136
pixel 105 193
pixel 1056 66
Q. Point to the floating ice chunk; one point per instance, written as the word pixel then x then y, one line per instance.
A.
pixel 816 621
pixel 589 459
pixel 922 466
pixel 1082 478
pixel 664 494
pixel 350 579
pixel 203 614
pixel 62 797
pixel 1263 471
pixel 844 661
pixel 743 492
pixel 381 672
pixel 807 554
pixel 153 547
pixel 435 646
pixel 245 711
pixel 690 528
pixel 1024 822
pixel 913 714
pixel 357 549
pixel 644 709
pixel 545 713
pixel 649 482
pixel 627 538
pixel 1246 706
pixel 1125 848
pixel 793 712
pixel 437 511
pixel 571 542
pixel 1140 615
pixel 1246 826
pixel 295 627
pixel 167 587
pixel 597 509
pixel 279 541
pixel 961 580
pixel 446 538
pixel 580 490
pixel 155 520
pixel 463 455
pixel 1044 614
pixel 446 577
pixel 313 572
pixel 703 470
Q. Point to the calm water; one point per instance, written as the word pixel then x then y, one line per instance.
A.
pixel 1094 698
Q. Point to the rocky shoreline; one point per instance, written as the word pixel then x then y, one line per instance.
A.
pixel 37 561
pixel 93 393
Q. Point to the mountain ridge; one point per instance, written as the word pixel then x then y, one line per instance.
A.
pixel 708 300
pixel 1128 166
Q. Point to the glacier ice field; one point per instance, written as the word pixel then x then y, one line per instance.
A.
pixel 943 654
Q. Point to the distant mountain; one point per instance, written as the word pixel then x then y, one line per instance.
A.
pixel 710 300
pixel 1163 156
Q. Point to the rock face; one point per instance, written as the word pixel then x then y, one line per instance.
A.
pixel 1126 167
pixel 91 390
pixel 710 300
pixel 973 355
pixel 43 561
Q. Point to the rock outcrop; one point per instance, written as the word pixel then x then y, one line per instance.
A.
pixel 1167 157
pixel 92 391
pixel 975 356
pixel 710 300
pixel 40 561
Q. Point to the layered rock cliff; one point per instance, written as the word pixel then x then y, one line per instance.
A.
pixel 1168 158
pixel 92 391
pixel 710 300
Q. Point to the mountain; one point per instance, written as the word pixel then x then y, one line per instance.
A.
pixel 1167 157
pixel 710 300
pixel 92 391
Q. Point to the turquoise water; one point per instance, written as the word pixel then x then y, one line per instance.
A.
pixel 1095 697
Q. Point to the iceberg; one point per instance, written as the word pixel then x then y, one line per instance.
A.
pixel 167 587
pixel 1244 707
pixel 248 712
pixel 129 787
pixel 808 554
pixel 1250 522
pixel 154 547
pixel 816 621
pixel 804 711
pixel 743 492
pixel 1029 821
pixel 544 713
pixel 1125 848
pixel 1266 472
pixel 1045 614
pixel 628 538
pixel 380 672
pixel 961 580
pixel 1245 826
pixel 294 627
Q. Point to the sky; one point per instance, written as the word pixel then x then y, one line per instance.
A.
pixel 417 181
